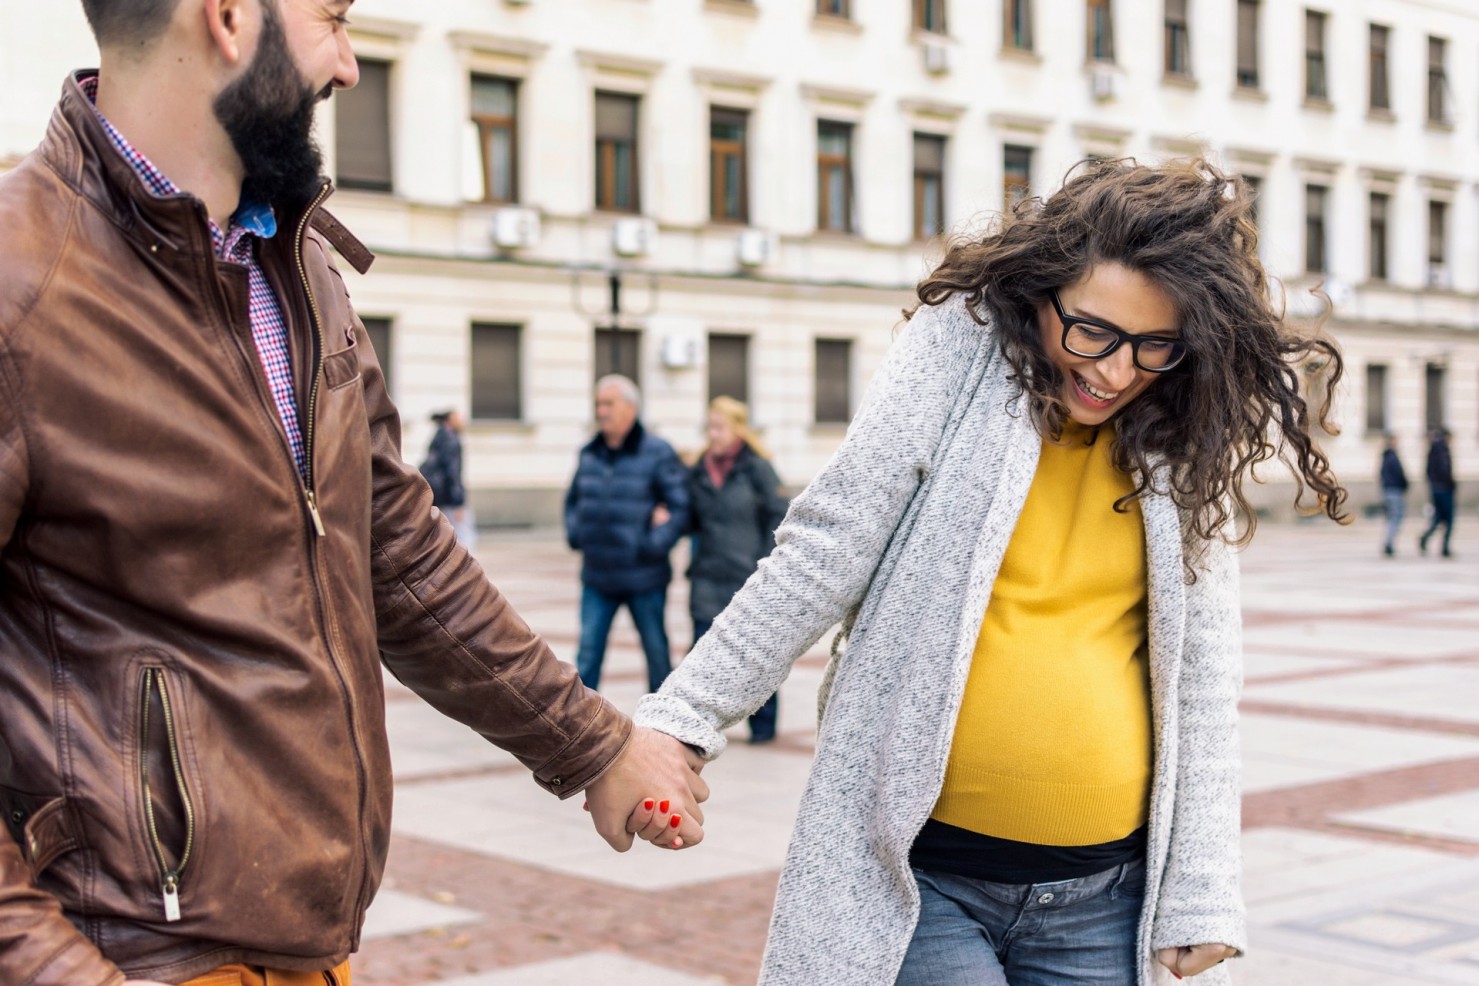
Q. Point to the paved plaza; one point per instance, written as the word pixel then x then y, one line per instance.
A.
pixel 1361 812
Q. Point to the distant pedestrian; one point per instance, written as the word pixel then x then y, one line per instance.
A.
pixel 1441 487
pixel 737 505
pixel 442 470
pixel 612 517
pixel 1393 492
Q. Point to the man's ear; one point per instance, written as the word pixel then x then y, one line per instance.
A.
pixel 225 22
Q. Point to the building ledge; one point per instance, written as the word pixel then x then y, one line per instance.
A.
pixel 1179 80
pixel 832 22
pixel 737 8
pixel 1249 94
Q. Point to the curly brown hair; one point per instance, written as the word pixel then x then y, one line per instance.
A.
pixel 1236 400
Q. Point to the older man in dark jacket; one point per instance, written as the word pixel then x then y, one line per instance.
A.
pixel 626 508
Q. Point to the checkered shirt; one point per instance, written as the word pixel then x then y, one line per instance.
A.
pixel 237 245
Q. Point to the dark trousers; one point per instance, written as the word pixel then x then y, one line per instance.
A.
pixel 597 610
pixel 1442 517
pixel 762 722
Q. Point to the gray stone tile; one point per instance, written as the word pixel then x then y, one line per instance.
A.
pixel 604 968
pixel 394 913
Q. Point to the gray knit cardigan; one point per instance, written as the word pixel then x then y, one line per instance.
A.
pixel 900 538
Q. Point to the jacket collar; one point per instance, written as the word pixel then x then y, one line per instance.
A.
pixel 630 445
pixel 78 148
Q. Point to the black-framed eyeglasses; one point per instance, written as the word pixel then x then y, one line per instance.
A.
pixel 1094 340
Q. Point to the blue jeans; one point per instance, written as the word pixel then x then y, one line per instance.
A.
pixel 1396 508
pixel 1442 517
pixel 762 721
pixel 597 610
pixel 1067 933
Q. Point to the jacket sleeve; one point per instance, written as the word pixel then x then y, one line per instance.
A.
pixel 572 510
pixel 832 540
pixel 38 945
pixel 773 505
pixel 671 482
pixel 447 633
pixel 1201 900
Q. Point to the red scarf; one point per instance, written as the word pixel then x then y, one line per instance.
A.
pixel 719 463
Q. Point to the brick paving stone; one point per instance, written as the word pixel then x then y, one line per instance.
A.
pixel 1322 609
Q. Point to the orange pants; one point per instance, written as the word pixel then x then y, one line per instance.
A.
pixel 247 975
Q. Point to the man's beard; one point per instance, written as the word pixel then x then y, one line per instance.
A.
pixel 268 114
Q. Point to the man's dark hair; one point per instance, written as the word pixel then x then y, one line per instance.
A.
pixel 128 22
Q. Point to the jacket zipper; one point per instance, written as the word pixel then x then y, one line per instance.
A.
pixel 309 490
pixel 310 493
pixel 169 876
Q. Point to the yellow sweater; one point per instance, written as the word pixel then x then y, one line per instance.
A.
pixel 1053 743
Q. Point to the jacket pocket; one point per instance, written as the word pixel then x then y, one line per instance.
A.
pixel 169 812
pixel 342 368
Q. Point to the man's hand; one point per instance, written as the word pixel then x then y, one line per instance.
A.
pixel 661 515
pixel 653 767
pixel 1189 960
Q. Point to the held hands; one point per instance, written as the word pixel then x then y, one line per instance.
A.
pixel 661 777
pixel 1189 960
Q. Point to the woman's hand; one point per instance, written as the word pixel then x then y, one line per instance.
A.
pixel 660 515
pixel 1189 960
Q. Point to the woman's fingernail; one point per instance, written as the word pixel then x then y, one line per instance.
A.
pixel 675 821
pixel 647 805
pixel 1177 974
pixel 663 807
pixel 585 806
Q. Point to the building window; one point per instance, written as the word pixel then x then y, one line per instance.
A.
pixel 617 351
pixel 834 176
pixel 729 366
pixel 833 8
pixel 1433 397
pixel 929 15
pixel 1178 39
pixel 1248 44
pixel 1016 179
pixel 1381 204
pixel 1314 228
pixel 378 329
pixel 833 381
pixel 1316 84
pixel 929 186
pixel 1255 189
pixel 362 130
pixel 495 114
pixel 728 171
pixel 1017 32
pixel 1380 95
pixel 497 386
pixel 1437 243
pixel 1376 399
pixel 1101 30
pixel 1437 80
pixel 616 152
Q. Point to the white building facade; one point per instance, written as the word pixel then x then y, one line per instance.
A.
pixel 769 179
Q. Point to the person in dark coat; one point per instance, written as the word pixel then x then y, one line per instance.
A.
pixel 1393 492
pixel 737 505
pixel 626 508
pixel 1442 489
pixel 443 472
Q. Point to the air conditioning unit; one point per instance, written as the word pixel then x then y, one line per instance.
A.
pixel 1103 81
pixel 1439 276
pixel 515 227
pixel 679 353
pixel 755 247
pixel 936 57
pixel 634 237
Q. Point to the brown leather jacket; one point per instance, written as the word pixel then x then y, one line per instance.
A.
pixel 193 714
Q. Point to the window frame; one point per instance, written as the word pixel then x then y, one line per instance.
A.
pixel 368 68
pixel 1378 380
pixel 1249 17
pixel 1379 68
pixel 1012 189
pixel 1316 228
pixel 744 344
pixel 825 403
pixel 720 152
pixel 1316 65
pixel 509 408
pixel 1016 29
pixel 843 9
pixel 1099 44
pixel 487 124
pixel 1438 108
pixel 921 186
pixel 1437 233
pixel 1379 233
pixel 1178 39
pixel 826 163
pixel 929 16
pixel 607 148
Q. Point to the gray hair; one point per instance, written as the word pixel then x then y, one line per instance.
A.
pixel 628 389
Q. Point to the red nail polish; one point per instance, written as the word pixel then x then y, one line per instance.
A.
pixel 1177 974
pixel 675 821
pixel 647 805
pixel 663 807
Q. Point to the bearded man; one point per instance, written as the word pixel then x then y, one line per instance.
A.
pixel 209 541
